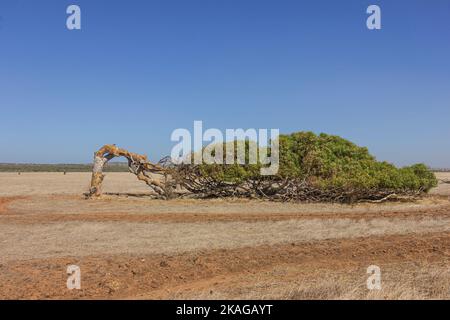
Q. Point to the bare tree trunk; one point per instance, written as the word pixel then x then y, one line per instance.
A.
pixel 137 164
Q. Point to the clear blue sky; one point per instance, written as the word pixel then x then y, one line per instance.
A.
pixel 140 69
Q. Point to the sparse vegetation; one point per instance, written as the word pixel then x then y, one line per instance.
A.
pixel 134 247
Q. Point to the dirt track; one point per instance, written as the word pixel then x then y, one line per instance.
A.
pixel 135 247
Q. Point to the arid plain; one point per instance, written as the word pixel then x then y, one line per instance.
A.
pixel 130 246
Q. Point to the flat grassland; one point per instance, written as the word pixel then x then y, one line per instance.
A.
pixel 129 246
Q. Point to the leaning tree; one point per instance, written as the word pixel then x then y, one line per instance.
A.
pixel 311 168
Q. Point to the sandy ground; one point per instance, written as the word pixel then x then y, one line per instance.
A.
pixel 444 184
pixel 129 246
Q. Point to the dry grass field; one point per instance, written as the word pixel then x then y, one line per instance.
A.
pixel 129 246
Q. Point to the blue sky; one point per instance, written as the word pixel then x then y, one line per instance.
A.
pixel 140 69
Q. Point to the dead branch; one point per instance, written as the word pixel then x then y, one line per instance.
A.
pixel 137 164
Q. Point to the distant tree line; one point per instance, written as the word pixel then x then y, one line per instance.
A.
pixel 32 167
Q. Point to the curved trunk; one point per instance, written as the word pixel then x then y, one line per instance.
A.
pixel 137 164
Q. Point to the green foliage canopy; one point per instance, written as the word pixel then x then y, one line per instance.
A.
pixel 329 161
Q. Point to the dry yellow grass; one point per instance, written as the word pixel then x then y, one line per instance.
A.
pixel 231 248
pixel 443 187
pixel 399 281
pixel 94 238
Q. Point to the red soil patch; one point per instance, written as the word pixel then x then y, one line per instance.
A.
pixel 5 201
pixel 160 276
pixel 31 218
